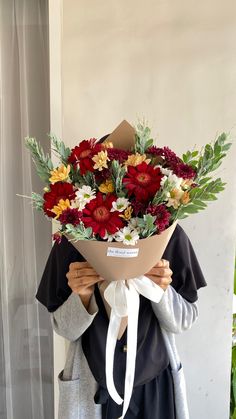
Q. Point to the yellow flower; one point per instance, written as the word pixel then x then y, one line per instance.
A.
pixel 185 198
pixel 136 159
pixel 107 144
pixel 61 206
pixel 101 160
pixel 186 183
pixel 127 213
pixel 107 186
pixel 175 197
pixel 59 174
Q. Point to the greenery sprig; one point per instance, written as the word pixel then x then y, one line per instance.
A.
pixel 41 160
pixel 117 174
pixel 143 138
pixel 59 147
pixel 79 232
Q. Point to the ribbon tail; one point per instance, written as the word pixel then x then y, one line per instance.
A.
pixel 113 330
pixel 132 297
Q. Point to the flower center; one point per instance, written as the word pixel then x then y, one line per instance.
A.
pixel 101 214
pixel 128 237
pixel 84 154
pixel 143 178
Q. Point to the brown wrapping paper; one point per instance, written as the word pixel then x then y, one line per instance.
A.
pixel 115 261
pixel 123 136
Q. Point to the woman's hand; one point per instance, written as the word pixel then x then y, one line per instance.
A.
pixel 81 279
pixel 161 274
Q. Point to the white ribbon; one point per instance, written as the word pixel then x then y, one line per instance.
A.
pixel 123 297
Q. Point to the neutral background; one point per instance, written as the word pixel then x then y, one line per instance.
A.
pixel 175 64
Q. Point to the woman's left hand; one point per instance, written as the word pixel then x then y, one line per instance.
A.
pixel 161 274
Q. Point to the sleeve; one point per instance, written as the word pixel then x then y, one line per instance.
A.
pixel 187 275
pixel 71 319
pixel 53 289
pixel 175 313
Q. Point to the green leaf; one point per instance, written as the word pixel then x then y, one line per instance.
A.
pixel 79 232
pixel 59 147
pixel 38 201
pixel 41 160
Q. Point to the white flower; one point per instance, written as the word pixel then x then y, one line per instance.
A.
pixel 175 181
pixel 108 237
pixel 120 204
pixel 133 224
pixel 164 170
pixel 127 236
pixel 163 179
pixel 83 196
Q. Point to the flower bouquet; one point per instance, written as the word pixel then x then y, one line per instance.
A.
pixel 118 202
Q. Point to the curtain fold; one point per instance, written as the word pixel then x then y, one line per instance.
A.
pixel 26 353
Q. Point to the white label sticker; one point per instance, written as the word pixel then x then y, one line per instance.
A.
pixel 122 253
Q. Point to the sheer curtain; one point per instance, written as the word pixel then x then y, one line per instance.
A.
pixel 26 363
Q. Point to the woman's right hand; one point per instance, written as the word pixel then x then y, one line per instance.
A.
pixel 81 279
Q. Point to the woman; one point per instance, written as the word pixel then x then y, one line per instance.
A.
pixel 70 289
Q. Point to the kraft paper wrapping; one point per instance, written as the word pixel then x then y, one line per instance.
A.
pixel 115 261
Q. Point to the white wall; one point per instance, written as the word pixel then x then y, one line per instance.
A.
pixel 173 63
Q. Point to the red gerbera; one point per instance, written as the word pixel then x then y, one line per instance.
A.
pixel 162 216
pixel 142 181
pixel 98 216
pixel 59 190
pixel 83 153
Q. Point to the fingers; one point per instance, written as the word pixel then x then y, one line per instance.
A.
pixel 78 265
pixel 77 273
pixel 163 263
pixel 161 271
pixel 162 282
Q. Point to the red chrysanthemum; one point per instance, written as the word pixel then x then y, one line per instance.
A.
pixel 70 216
pixel 142 181
pixel 139 208
pixel 83 153
pixel 59 190
pixel 101 176
pixel 98 216
pixel 166 153
pixel 162 216
pixel 117 154
pixel 184 170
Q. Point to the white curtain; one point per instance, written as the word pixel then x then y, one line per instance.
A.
pixel 26 364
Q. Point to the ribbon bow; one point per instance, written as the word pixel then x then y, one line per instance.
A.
pixel 123 298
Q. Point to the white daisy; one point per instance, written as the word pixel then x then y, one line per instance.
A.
pixel 84 195
pixel 127 236
pixel 120 204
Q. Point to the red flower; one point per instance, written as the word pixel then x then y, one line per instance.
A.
pixel 142 181
pixel 59 190
pixel 83 153
pixel 98 216
pixel 117 154
pixel 57 237
pixel 166 153
pixel 184 170
pixel 70 216
pixel 162 216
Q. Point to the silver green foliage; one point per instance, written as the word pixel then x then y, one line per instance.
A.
pixel 79 232
pixel 41 160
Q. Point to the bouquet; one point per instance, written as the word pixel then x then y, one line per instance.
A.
pixel 118 202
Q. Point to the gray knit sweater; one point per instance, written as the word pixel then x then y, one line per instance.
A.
pixel 76 383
